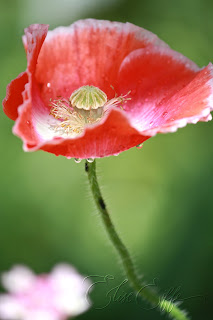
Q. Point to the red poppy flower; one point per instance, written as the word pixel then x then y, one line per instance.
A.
pixel 97 88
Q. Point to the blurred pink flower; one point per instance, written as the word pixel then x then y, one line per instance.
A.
pixel 55 296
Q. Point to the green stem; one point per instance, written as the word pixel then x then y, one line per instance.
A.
pixel 142 289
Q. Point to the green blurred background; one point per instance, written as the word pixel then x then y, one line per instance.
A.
pixel 160 197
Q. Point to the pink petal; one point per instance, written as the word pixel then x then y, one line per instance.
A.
pixel 10 308
pixel 42 315
pixel 33 40
pixel 111 137
pixel 167 90
pixel 193 103
pixel 87 52
pixel 14 97
pixel 19 279
pixel 70 290
pixel 24 127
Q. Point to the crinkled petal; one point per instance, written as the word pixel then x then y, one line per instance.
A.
pixel 109 138
pixel 167 90
pixel 25 124
pixel 33 40
pixel 191 104
pixel 87 52
pixel 24 127
pixel 14 96
pixel 34 37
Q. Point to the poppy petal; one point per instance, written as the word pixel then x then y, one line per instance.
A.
pixel 167 90
pixel 24 126
pixel 89 52
pixel 14 96
pixel 191 104
pixel 111 137
pixel 34 37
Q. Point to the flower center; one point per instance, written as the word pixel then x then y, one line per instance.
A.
pixel 88 97
pixel 86 106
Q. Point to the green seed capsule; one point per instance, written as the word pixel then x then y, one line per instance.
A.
pixel 88 97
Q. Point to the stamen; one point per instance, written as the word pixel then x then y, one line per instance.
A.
pixel 87 105
pixel 117 100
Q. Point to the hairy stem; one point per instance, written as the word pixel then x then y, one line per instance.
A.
pixel 141 289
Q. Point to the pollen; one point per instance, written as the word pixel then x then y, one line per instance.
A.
pixel 86 106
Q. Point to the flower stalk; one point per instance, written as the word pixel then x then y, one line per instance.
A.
pixel 140 287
